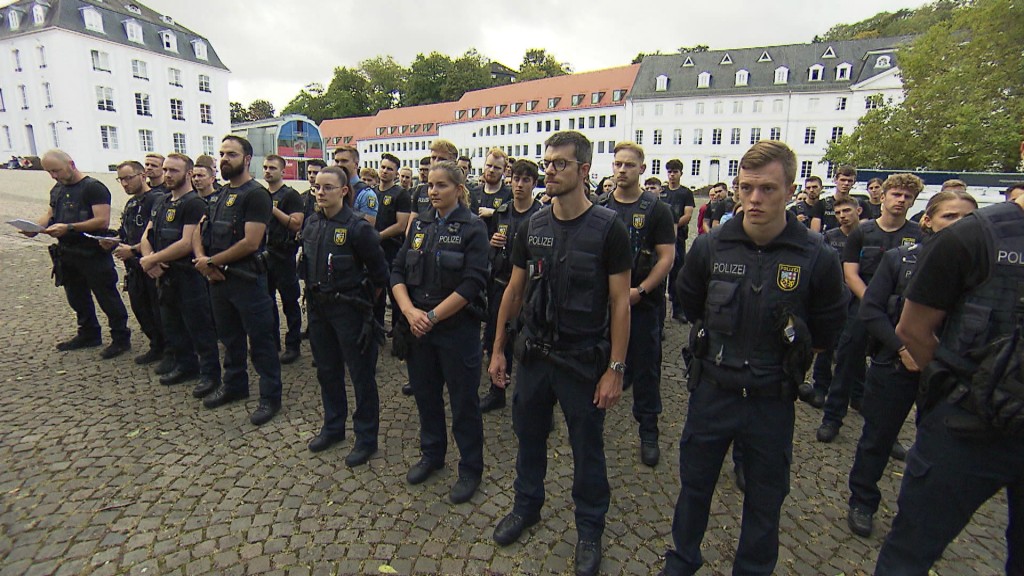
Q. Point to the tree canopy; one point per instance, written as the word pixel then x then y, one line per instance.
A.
pixel 257 110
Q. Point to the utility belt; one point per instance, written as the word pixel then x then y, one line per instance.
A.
pixel 587 363
pixel 779 389
pixel 322 298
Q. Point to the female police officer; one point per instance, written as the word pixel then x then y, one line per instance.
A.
pixel 438 280
pixel 344 269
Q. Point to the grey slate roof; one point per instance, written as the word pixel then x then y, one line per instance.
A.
pixel 67 15
pixel 797 57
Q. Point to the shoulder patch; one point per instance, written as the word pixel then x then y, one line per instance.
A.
pixel 788 277
pixel 231 199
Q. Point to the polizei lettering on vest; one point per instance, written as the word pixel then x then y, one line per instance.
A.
pixel 546 241
pixel 1007 257
pixel 727 268
pixel 449 239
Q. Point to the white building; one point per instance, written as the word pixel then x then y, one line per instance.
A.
pixel 106 81
pixel 707 108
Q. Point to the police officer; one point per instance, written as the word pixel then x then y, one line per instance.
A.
pixel 652 236
pixel 964 297
pixel 572 263
pixel 347 156
pixel 154 164
pixel 507 221
pixel 419 198
pixel 80 204
pixel 313 167
pixel 861 255
pixel 763 292
pixel 140 287
pixel 392 219
pixel 438 279
pixel 231 237
pixel 892 378
pixel 184 300
pixel 680 200
pixel 344 270
pixel 282 275
pixel 492 192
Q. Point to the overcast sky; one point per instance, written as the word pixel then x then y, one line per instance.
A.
pixel 275 47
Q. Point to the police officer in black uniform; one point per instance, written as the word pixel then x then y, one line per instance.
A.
pixel 961 316
pixel 80 204
pixel 861 255
pixel 231 238
pixel 438 279
pixel 419 199
pixel 282 275
pixel 507 221
pixel 140 287
pixel 891 383
pixel 763 292
pixel 680 199
pixel 344 269
pixel 492 192
pixel 184 300
pixel 393 208
pixel 154 164
pixel 652 236
pixel 571 262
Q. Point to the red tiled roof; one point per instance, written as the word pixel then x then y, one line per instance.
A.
pixel 357 128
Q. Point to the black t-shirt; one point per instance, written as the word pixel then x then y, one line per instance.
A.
pixel 716 210
pixel 661 228
pixel 906 235
pixel 824 210
pixel 616 252
pixel 256 206
pixel 803 209
pixel 952 262
pixel 287 200
pixel 389 203
pixel 92 193
pixel 189 209
pixel 870 211
pixel 677 201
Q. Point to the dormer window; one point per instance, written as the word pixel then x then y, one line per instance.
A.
pixel 13 19
pixel 764 57
pixel 577 99
pixel 169 40
pixel 501 108
pixel 92 18
pixel 782 75
pixel 742 77
pixel 829 53
pixel 661 83
pixel 688 62
pixel 473 111
pixel 38 14
pixel 487 110
pixel 618 95
pixel 815 73
pixel 843 71
pixel 883 62
pixel 704 80
pixel 133 30
pixel 531 105
pixel 726 60
pixel 459 114
pixel 134 9
pixel 199 48
pixel 167 20
pixel 596 97
pixel 553 102
pixel 516 106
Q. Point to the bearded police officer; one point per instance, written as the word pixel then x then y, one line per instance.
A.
pixel 344 270
pixel 79 204
pixel 227 253
pixel 764 292
pixel 393 207
pixel 961 323
pixel 652 236
pixel 570 289
pixel 184 301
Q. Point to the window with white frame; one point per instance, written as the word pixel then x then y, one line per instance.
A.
pixel 39 14
pixel 841 103
pixel 53 135
pixel 657 136
pixel 659 109
pixel 23 92
pixel 93 19
pixel 661 83
pixel 100 61
pixel 105 98
pixel 553 103
pixel 704 80
pixel 737 106
pixel 734 136
pixel 776 134
pixel 734 167
pixel 204 83
pixel 806 169
pixel 883 62
pixel 169 40
pixel 755 135
pixel 142 107
pixel 177 109
pixel 108 137
pixel 595 97
pixel 48 94
pixel 873 101
pixel 199 48
pixel 719 107
pixel 134 9
pixel 140 70
pixel 742 77
pixel 133 30
pixel 618 95
pixel 174 77
pixel 677 136
pixel 577 99
pixel 146 140
pixel 638 137
pixel 206 114
pixel 777 105
pixel 810 135
pixel 179 143
pixel 655 167
pixel 843 71
pixel 758 106
pixel 837 133
pixel 41 55
pixel 698 136
pixel 695 168
pixel 699 108
pixel 812 103
pixel 716 136
pixel 781 75
pixel 16 55
pixel 679 108
pixel 816 73
pixel 7 137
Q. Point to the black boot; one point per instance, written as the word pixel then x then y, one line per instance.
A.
pixel 494 399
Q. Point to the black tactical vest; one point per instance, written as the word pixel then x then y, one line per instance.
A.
pixel 987 312
pixel 69 207
pixel 750 291
pixel 421 200
pixel 436 256
pixel 876 241
pixel 224 226
pixel 571 265
pixel 168 223
pixel 637 218
pixel 387 211
pixel 279 238
pixel 135 217
pixel 908 264
pixel 507 222
pixel 836 239
pixel 329 262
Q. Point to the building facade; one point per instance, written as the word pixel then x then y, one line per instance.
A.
pixel 106 82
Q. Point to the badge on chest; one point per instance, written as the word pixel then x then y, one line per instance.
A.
pixel 340 236
pixel 788 278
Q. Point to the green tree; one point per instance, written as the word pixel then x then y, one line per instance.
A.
pixel 348 94
pixel 537 63
pixel 899 23
pixel 238 113
pixel 260 109
pixel 693 49
pixel 964 100
pixel 387 79
pixel 469 72
pixel 426 79
pixel 309 102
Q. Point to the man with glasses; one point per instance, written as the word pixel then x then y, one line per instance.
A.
pixel 570 290
pixel 141 288
pixel 282 274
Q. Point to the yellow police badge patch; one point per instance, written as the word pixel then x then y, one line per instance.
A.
pixel 231 200
pixel 170 215
pixel 417 241
pixel 909 241
pixel 340 235
pixel 638 221
pixel 789 277
pixel 497 202
pixel 387 200
pixel 503 229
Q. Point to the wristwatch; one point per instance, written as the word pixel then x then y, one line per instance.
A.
pixel 617 366
pixel 432 317
pixel 71 228
pixel 640 290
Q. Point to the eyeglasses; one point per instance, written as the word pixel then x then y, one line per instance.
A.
pixel 326 187
pixel 559 165
pixel 127 178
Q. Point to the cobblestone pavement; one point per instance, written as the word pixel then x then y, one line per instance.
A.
pixel 104 471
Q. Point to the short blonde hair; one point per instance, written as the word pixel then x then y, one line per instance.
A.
pixel 632 146
pixel 446 146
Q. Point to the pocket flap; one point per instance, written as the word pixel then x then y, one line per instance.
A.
pixel 721 293
pixel 450 260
